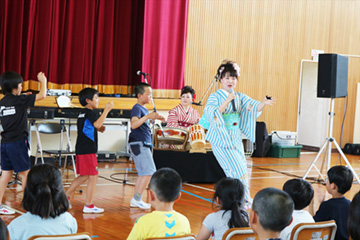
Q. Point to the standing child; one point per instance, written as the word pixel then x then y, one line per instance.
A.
pixel 165 187
pixel 88 124
pixel 229 196
pixel 14 138
pixel 46 206
pixel 339 181
pixel 140 142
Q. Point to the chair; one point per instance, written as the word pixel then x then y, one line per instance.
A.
pixel 182 237
pixel 318 230
pixel 244 233
pixel 55 128
pixel 75 236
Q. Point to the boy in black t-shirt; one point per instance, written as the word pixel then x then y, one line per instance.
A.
pixel 88 124
pixel 140 142
pixel 339 181
pixel 14 138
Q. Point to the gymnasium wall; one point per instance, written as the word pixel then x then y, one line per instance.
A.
pixel 268 38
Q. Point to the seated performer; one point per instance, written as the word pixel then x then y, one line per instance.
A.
pixel 183 115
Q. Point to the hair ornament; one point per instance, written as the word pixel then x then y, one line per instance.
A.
pixel 221 70
pixel 237 68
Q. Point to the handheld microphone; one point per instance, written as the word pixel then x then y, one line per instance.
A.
pixel 141 73
pixel 197 104
pixel 232 101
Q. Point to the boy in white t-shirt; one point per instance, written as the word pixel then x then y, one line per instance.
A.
pixel 301 193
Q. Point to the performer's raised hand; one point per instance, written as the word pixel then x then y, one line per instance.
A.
pixel 268 100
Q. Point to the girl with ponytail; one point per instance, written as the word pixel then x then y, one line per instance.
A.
pixel 46 204
pixel 229 198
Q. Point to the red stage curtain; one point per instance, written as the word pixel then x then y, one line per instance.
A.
pixel 86 42
pixel 165 24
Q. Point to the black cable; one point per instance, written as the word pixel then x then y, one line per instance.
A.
pixel 109 179
pixel 314 180
pixel 116 180
pixel 279 136
pixel 151 81
pixel 342 127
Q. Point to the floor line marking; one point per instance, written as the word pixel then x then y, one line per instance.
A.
pixel 197 196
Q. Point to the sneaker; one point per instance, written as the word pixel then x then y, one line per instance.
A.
pixel 92 209
pixel 139 204
pixel 6 211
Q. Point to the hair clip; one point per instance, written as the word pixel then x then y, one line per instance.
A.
pixel 237 68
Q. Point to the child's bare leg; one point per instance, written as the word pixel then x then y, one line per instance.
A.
pixel 90 189
pixel 24 175
pixel 76 183
pixel 4 180
pixel 141 183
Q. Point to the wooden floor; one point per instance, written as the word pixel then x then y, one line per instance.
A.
pixel 195 203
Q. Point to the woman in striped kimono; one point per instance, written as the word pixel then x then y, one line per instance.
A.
pixel 231 114
pixel 183 115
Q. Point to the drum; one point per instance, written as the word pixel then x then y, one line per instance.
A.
pixel 172 135
pixel 197 137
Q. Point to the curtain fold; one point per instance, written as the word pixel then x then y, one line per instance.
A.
pixel 76 43
pixel 165 26
pixel 98 43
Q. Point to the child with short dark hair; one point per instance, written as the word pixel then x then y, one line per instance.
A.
pixel 165 187
pixel 140 142
pixel 302 194
pixel 3 230
pixel 229 197
pixel 339 181
pixel 14 137
pixel 271 212
pixel 354 218
pixel 46 204
pixel 88 124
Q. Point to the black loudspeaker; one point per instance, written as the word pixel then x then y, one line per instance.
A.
pixel 263 141
pixel 332 76
pixel 352 149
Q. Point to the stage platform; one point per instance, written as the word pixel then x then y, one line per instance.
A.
pixel 192 167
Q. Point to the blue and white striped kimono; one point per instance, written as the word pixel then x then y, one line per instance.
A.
pixel 227 144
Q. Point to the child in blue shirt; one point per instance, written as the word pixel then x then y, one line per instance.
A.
pixel 140 142
pixel 88 125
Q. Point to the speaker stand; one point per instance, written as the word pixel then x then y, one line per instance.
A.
pixel 328 143
pixel 15 181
